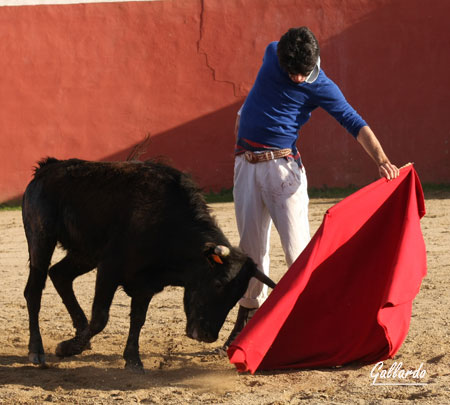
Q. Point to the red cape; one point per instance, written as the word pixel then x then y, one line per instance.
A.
pixel 348 297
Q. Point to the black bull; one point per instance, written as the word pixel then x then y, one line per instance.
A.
pixel 144 226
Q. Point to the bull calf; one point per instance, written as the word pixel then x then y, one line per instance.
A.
pixel 144 226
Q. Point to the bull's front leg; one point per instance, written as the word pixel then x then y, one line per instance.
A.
pixel 139 307
pixel 105 288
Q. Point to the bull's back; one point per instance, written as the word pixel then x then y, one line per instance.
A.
pixel 90 205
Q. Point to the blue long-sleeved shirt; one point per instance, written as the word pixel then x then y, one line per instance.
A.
pixel 276 107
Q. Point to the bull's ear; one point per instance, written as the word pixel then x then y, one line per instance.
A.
pixel 259 275
pixel 216 252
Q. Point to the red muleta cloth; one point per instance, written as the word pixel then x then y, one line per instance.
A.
pixel 348 297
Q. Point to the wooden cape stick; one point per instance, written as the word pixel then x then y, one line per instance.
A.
pixel 407 164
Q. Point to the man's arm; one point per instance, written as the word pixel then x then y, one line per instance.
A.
pixel 238 120
pixel 372 146
pixel 236 125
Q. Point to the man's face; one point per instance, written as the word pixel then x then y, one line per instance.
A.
pixel 298 78
pixel 311 77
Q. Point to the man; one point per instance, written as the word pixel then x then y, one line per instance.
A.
pixel 270 180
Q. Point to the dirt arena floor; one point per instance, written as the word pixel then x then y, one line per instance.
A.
pixel 180 370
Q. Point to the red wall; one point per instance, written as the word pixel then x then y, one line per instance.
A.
pixel 91 80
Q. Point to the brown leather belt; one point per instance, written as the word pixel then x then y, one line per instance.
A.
pixel 268 155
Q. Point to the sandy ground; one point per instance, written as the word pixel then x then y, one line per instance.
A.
pixel 180 370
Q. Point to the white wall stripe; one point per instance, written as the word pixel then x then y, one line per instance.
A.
pixel 55 2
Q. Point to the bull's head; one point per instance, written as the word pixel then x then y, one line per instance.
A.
pixel 207 301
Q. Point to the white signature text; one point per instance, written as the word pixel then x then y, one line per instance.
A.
pixel 397 375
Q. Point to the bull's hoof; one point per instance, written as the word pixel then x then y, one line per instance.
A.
pixel 70 347
pixel 37 358
pixel 135 367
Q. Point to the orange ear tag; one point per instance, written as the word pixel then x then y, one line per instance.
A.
pixel 217 259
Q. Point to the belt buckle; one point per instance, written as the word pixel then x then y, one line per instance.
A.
pixel 250 157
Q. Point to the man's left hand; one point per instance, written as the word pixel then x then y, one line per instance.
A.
pixel 388 170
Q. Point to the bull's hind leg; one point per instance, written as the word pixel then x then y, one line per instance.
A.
pixel 139 307
pixel 40 248
pixel 105 288
pixel 62 275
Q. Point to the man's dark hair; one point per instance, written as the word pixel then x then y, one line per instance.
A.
pixel 298 51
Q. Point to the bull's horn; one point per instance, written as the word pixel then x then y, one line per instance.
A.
pixel 222 250
pixel 259 275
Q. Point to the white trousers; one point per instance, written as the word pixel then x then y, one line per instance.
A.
pixel 276 191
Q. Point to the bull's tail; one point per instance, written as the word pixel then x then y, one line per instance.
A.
pixel 40 231
pixel 39 222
